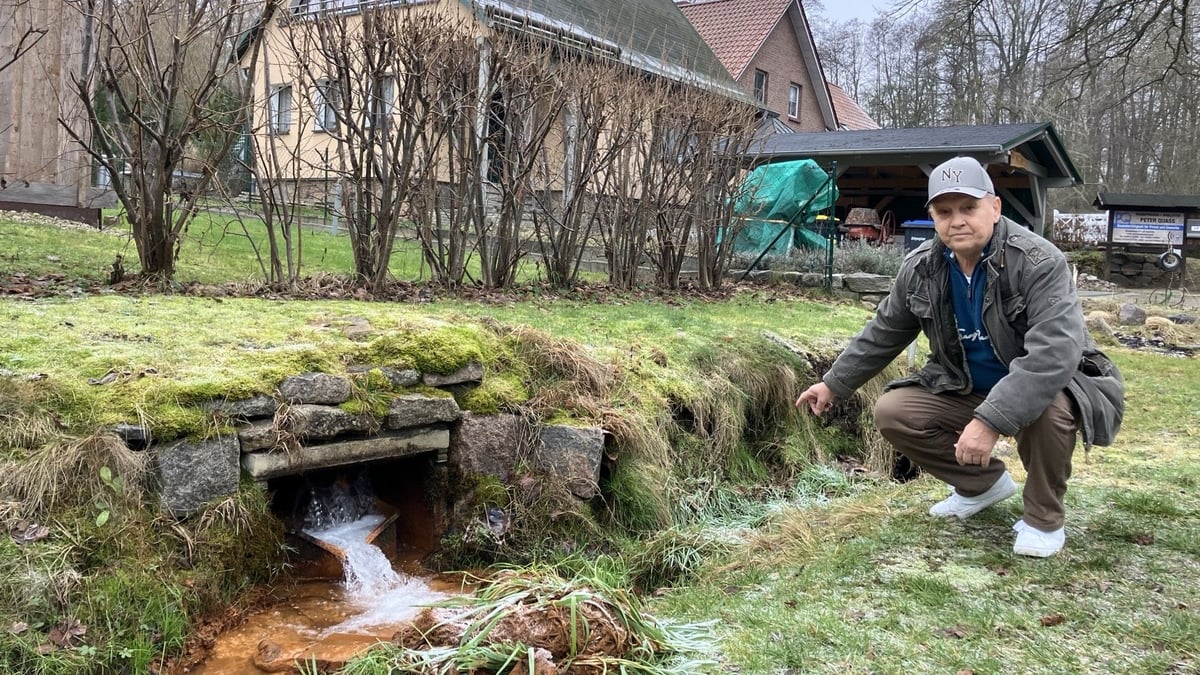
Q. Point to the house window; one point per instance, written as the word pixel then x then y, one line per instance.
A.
pixel 760 86
pixel 793 100
pixel 324 106
pixel 498 141
pixel 279 109
pixel 382 97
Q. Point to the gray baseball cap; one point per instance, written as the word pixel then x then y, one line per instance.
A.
pixel 963 175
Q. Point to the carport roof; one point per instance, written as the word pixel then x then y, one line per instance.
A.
pixel 1109 200
pixel 989 143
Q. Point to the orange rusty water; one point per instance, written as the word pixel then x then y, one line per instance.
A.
pixel 304 626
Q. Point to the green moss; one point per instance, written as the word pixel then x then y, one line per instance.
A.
pixel 497 392
pixel 372 394
pixel 490 491
pixel 239 543
pixel 438 350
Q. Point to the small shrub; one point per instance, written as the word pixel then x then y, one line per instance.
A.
pixel 848 257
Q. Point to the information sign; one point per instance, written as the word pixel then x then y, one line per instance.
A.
pixel 1147 227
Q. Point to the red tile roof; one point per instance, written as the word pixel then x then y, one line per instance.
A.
pixel 849 115
pixel 734 29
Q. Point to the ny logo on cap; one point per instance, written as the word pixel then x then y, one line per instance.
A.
pixel 952 174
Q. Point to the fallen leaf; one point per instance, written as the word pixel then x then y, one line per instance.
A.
pixel 68 633
pixel 107 378
pixel 30 532
pixel 1144 539
pixel 957 632
pixel 18 627
pixel 1053 619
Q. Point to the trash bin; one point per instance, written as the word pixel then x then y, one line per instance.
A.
pixel 917 232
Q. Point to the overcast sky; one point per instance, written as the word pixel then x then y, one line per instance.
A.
pixel 844 10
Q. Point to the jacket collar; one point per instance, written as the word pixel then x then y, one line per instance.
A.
pixel 939 254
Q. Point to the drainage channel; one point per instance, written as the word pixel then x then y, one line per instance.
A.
pixel 359 535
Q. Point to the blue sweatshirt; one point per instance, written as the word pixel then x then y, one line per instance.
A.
pixel 986 369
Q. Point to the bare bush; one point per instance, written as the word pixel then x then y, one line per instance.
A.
pixel 165 93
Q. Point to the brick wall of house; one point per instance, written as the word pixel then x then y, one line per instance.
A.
pixel 781 59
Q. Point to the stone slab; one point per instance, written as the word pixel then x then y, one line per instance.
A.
pixel 320 421
pixel 414 410
pixel 315 388
pixel 260 435
pixel 487 445
pixel 572 454
pixel 472 372
pixel 265 465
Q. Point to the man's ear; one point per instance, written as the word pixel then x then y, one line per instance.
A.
pixel 997 206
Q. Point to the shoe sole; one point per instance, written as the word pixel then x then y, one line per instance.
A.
pixel 1035 552
pixel 1009 491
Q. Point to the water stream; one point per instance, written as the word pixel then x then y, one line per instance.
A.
pixel 328 621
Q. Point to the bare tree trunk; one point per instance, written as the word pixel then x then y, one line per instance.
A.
pixel 568 204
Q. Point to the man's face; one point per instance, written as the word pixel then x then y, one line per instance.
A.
pixel 965 223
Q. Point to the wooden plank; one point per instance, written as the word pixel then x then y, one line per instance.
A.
pixel 34 92
pixel 39 193
pixel 83 215
pixel 1018 160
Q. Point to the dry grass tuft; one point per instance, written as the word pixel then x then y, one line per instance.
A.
pixel 230 511
pixel 563 359
pixel 878 454
pixel 1163 328
pixel 22 422
pixel 799 534
pixel 68 472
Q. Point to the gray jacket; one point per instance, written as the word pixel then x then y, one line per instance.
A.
pixel 1033 320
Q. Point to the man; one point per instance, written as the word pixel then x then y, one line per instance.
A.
pixel 1006 336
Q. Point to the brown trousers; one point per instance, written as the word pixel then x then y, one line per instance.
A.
pixel 925 427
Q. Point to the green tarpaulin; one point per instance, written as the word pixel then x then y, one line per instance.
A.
pixel 782 195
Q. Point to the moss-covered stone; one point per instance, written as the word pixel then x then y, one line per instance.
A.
pixel 440 350
pixel 498 392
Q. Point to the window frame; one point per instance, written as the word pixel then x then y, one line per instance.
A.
pixel 794 91
pixel 324 110
pixel 383 106
pixel 760 92
pixel 279 117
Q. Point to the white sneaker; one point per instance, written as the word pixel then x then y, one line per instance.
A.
pixel 964 507
pixel 1033 542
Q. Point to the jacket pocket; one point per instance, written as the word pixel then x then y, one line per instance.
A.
pixel 1014 313
pixel 921 307
pixel 1099 392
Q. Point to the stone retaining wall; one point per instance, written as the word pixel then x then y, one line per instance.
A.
pixel 1136 270
pixel 863 287
pixel 305 427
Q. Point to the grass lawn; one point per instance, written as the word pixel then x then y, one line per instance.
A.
pixel 868 582
pixel 830 571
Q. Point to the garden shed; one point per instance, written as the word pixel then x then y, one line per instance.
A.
pixel 888 169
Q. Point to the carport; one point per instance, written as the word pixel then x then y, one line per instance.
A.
pixel 887 169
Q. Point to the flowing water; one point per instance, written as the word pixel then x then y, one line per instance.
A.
pixel 325 621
